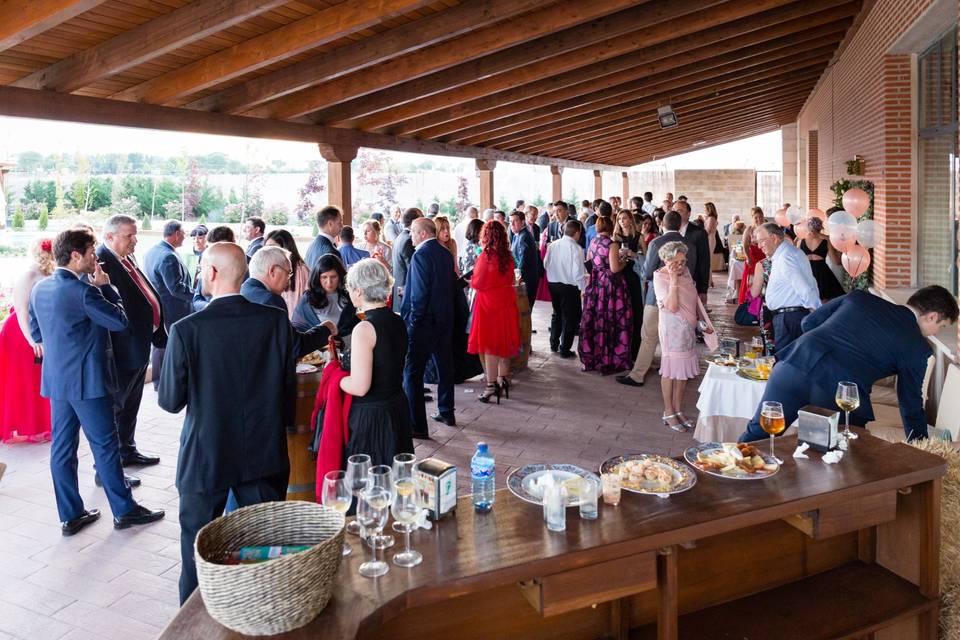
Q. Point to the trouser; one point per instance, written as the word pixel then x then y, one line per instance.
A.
pixel 649 339
pixel 786 327
pixel 794 389
pixel 635 287
pixel 156 363
pixel 127 406
pixel 567 309
pixel 424 342
pixel 96 417
pixel 532 292
pixel 199 509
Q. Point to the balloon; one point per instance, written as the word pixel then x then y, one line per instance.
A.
pixel 781 218
pixel 842 228
pixel 856 202
pixel 817 213
pixel 794 215
pixel 867 233
pixel 801 229
pixel 855 260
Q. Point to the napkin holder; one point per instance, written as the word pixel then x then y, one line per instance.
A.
pixel 818 427
pixel 436 482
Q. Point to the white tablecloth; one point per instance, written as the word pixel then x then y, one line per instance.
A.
pixel 726 404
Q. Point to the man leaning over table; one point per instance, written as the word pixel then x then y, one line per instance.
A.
pixel 860 338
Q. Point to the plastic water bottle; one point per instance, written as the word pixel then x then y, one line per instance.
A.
pixel 482 475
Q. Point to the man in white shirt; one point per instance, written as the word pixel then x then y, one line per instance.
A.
pixel 460 231
pixel 648 206
pixel 567 278
pixel 792 291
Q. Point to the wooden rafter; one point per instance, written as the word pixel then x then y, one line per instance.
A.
pixel 21 20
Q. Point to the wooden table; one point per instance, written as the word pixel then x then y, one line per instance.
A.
pixel 817 551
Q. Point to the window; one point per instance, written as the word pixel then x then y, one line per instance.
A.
pixel 812 177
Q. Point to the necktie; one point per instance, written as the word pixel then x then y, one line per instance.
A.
pixel 142 285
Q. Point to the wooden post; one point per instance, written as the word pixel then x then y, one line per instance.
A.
pixel 597 184
pixel 556 172
pixel 338 159
pixel 626 190
pixel 485 169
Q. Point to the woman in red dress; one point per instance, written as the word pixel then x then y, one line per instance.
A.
pixel 495 331
pixel 24 415
pixel 754 254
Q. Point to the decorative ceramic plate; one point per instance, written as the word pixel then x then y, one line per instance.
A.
pixel 650 474
pixel 750 374
pixel 718 459
pixel 526 482
pixel 722 362
pixel 306 368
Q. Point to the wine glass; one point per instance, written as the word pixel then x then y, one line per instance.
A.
pixel 356 479
pixel 373 507
pixel 381 477
pixel 848 399
pixel 336 495
pixel 405 511
pixel 772 421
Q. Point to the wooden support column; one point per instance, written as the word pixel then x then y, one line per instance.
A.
pixel 597 184
pixel 485 169
pixel 338 159
pixel 626 190
pixel 556 172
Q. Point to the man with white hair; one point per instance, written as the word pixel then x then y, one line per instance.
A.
pixel 488 214
pixel 233 367
pixel 460 231
pixel 270 272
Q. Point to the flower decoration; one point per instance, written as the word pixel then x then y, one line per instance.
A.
pixel 46 245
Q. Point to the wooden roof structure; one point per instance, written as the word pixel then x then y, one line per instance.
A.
pixel 560 82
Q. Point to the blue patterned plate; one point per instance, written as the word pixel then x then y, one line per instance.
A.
pixel 652 474
pixel 708 456
pixel 523 481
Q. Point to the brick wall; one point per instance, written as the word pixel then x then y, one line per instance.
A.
pixel 732 190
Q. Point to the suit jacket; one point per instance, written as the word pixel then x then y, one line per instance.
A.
pixel 255 245
pixel 696 239
pixel 169 277
pixel 402 254
pixel 304 342
pixel 862 338
pixel 131 347
pixel 534 230
pixel 305 318
pixel 526 256
pixel 352 255
pixel 73 319
pixel 233 367
pixel 543 220
pixel 429 294
pixel 653 262
pixel 320 247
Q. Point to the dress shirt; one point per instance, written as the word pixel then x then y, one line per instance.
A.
pixel 648 207
pixel 460 235
pixel 564 263
pixel 791 282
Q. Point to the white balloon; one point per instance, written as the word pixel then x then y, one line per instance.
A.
pixel 867 233
pixel 841 221
pixel 794 214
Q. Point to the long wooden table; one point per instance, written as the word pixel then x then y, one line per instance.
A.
pixel 817 551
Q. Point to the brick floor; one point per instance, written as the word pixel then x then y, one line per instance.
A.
pixel 108 584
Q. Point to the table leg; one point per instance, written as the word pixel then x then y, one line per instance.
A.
pixel 667 594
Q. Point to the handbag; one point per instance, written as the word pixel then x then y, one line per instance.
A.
pixel 711 340
pixel 743 317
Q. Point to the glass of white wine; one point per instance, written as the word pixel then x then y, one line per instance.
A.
pixel 848 399
pixel 381 477
pixel 356 479
pixel 336 495
pixel 405 511
pixel 373 508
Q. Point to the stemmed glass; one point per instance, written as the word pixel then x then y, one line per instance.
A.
pixel 848 399
pixel 356 479
pixel 381 477
pixel 772 421
pixel 336 495
pixel 405 511
pixel 372 511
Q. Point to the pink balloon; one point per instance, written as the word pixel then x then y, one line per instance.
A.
pixel 801 229
pixel 843 242
pixel 855 260
pixel 856 202
pixel 781 218
pixel 817 213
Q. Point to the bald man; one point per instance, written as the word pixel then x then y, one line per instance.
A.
pixel 427 310
pixel 232 366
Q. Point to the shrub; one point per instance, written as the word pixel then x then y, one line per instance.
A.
pixel 233 213
pixel 44 219
pixel 18 222
pixel 147 226
pixel 276 214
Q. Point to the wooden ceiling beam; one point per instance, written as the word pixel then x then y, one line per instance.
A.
pixel 150 40
pixel 24 19
pixel 67 107
pixel 541 82
pixel 308 33
pixel 509 44
pixel 426 31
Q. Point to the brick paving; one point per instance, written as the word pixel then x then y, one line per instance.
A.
pixel 107 584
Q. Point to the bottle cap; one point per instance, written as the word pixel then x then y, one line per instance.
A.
pixel 482 447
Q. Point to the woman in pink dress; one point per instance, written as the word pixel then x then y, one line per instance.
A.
pixel 24 415
pixel 679 311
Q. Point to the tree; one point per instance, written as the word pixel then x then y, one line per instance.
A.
pixel 29 161
pixel 44 191
pixel 370 165
pixel 389 184
pixel 43 220
pixel 252 197
pixel 233 213
pixel 539 201
pixel 173 211
pixel 60 203
pixel 313 185
pixel 463 196
pixel 191 190
pixel 502 204
pixel 18 222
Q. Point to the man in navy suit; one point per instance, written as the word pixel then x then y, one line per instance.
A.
pixel 402 255
pixel 525 255
pixel 427 310
pixel 131 346
pixel 169 277
pixel 253 229
pixel 860 338
pixel 239 407
pixel 72 316
pixel 329 221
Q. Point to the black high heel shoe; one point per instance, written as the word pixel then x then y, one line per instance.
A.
pixel 505 385
pixel 492 389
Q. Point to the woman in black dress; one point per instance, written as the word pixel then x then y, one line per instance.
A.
pixel 379 419
pixel 628 235
pixel 817 247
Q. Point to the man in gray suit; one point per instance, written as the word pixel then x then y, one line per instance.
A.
pixel 402 254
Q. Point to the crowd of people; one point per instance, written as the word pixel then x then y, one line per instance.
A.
pixel 410 299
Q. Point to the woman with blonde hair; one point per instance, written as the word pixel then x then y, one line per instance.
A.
pixel 373 245
pixel 445 237
pixel 626 232
pixel 24 414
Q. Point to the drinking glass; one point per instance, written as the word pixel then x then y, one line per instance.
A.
pixel 611 488
pixel 764 366
pixel 756 345
pixel 405 511
pixel 381 477
pixel 588 499
pixel 373 507
pixel 357 467
pixel 772 421
pixel 848 399
pixel 336 495
pixel 555 507
pixel 728 349
pixel 403 464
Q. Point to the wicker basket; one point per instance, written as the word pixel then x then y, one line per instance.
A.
pixel 280 594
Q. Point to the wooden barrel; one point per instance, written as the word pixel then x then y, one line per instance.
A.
pixel 519 362
pixel 303 469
